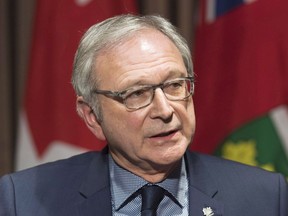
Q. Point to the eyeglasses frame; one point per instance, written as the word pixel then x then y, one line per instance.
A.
pixel 120 95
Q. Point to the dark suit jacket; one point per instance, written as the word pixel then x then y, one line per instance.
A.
pixel 80 186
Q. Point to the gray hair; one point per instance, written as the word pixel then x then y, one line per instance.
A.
pixel 108 34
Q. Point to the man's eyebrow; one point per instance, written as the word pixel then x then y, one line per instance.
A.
pixel 172 74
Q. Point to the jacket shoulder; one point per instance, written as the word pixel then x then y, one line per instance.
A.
pixel 54 186
pixel 238 183
pixel 229 168
pixel 59 165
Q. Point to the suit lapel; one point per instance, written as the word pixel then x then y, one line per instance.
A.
pixel 95 188
pixel 202 188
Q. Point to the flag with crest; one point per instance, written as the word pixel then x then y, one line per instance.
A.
pixel 241 66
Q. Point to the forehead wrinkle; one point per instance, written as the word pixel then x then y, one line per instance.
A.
pixel 149 59
pixel 146 79
pixel 168 65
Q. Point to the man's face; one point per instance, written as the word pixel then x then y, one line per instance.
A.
pixel 156 136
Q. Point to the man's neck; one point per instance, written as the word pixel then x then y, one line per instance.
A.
pixel 152 173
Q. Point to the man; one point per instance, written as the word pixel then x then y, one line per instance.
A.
pixel 134 82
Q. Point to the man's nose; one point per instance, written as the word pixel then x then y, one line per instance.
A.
pixel 161 107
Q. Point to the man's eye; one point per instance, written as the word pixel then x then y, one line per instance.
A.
pixel 175 85
pixel 137 93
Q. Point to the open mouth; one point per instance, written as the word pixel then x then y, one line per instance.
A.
pixel 164 134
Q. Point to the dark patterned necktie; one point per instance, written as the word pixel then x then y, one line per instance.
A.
pixel 151 198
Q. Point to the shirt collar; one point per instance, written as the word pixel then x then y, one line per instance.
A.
pixel 121 191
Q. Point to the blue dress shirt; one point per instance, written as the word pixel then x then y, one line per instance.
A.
pixel 126 201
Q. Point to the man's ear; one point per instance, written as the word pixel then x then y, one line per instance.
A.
pixel 89 117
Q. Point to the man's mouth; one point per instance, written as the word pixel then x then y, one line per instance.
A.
pixel 164 134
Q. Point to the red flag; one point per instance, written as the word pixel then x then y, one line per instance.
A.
pixel 241 62
pixel 49 114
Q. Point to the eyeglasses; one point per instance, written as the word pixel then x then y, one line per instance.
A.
pixel 141 96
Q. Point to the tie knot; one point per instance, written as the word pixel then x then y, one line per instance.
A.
pixel 151 198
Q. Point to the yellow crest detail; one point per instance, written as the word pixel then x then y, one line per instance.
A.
pixel 244 152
